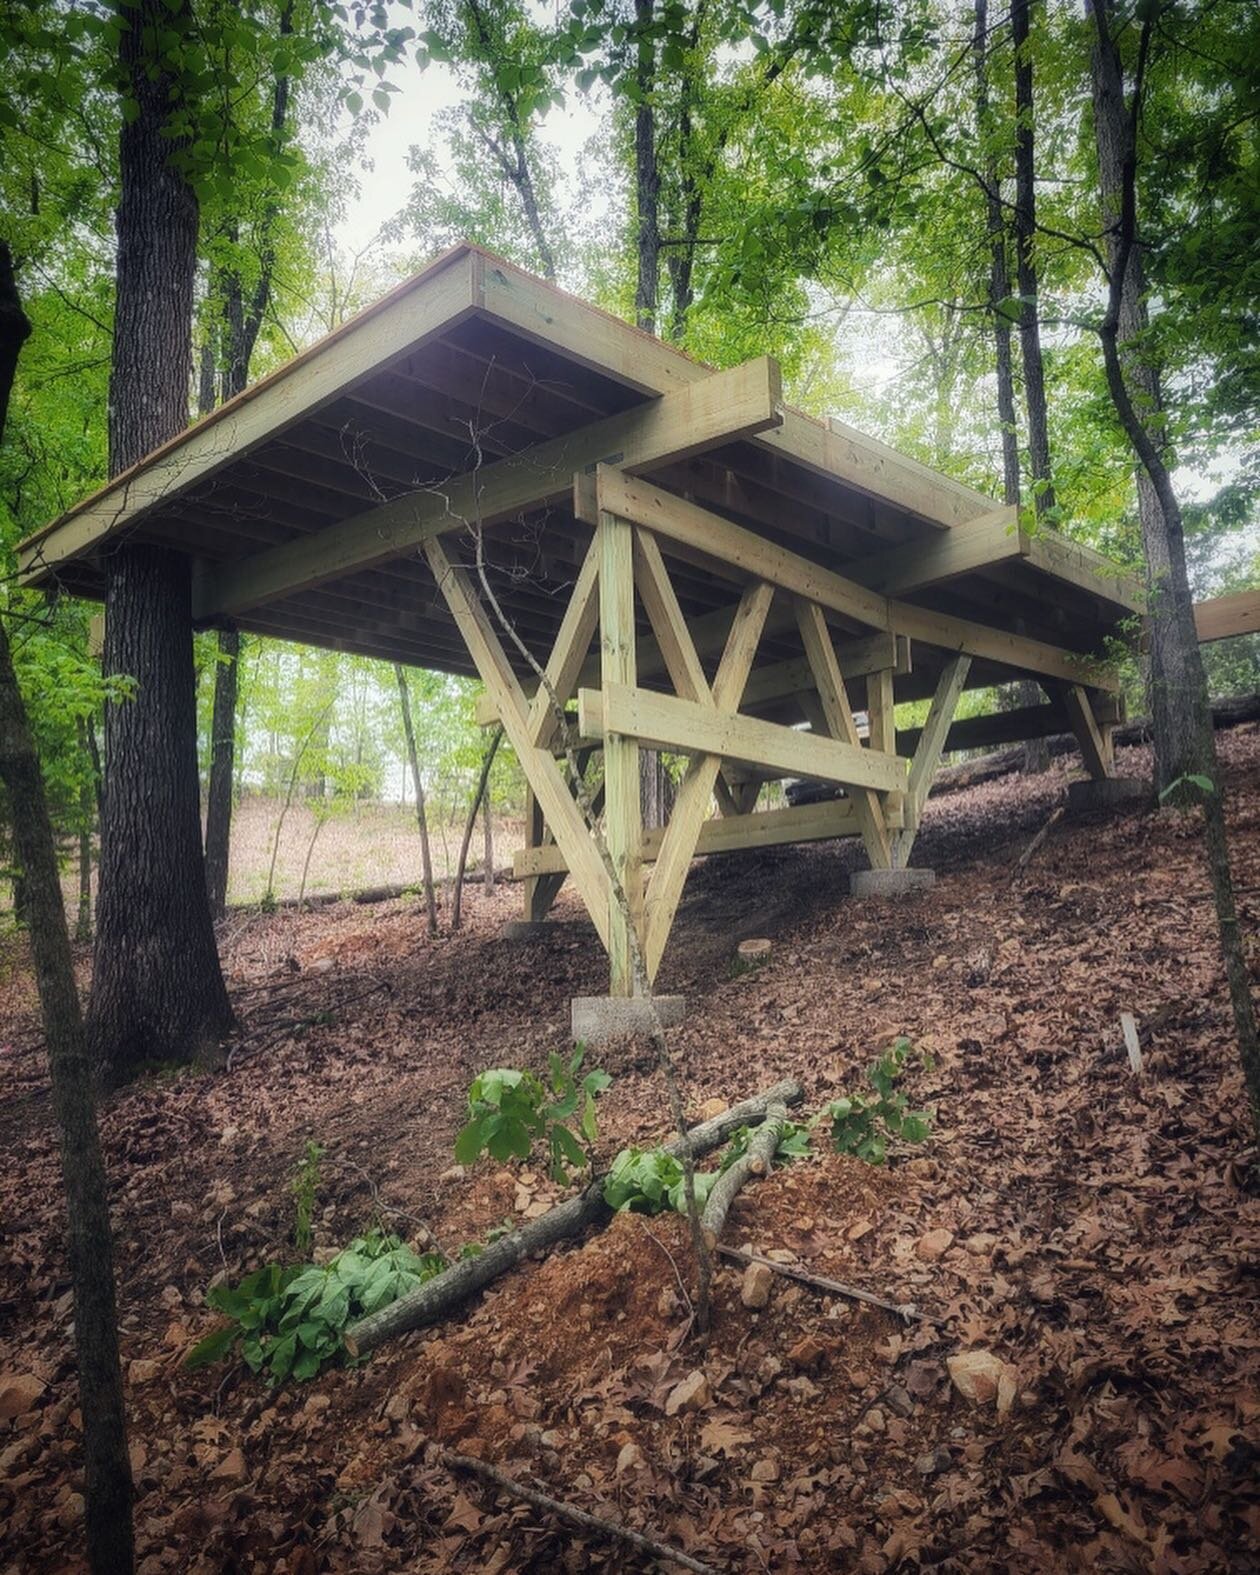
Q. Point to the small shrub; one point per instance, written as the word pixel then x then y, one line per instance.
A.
pixel 648 1181
pixel 862 1126
pixel 288 1322
pixel 305 1186
pixel 509 1111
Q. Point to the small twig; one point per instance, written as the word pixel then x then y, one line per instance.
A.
pixel 579 1517
pixel 389 1208
pixel 906 1310
pixel 673 1264
pixel 1030 851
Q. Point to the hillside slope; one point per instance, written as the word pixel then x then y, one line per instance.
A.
pixel 1092 1230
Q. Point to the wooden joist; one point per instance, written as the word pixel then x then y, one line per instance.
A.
pixel 727 405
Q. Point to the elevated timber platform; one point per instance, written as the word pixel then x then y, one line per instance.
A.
pixel 484 475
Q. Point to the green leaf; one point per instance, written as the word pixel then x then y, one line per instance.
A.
pixel 214 1347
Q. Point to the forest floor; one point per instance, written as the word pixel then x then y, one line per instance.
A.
pixel 1092 1229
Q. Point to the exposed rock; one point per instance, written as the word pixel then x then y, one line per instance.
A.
pixel 143 1371
pixel 712 1108
pixel 692 1394
pixel 755 1290
pixel 766 1470
pixel 898 1401
pixel 934 1245
pixel 808 1353
pixel 981 1376
pixel 19 1393
pixel 981 1244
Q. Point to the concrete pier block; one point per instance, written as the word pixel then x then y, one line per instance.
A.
pixel 598 1018
pixel 526 929
pixel 890 884
pixel 1109 793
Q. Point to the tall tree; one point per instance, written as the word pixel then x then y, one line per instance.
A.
pixel 107 1469
pixel 157 987
pixel 1183 671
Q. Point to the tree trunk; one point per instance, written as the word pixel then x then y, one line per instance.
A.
pixel 1026 264
pixel 487 857
pixel 1182 656
pixel 107 1471
pixel 157 989
pixel 1174 745
pixel 999 274
pixel 647 175
pixel 15 329
pixel 426 858
pixel 87 803
pixel 492 749
pixel 222 770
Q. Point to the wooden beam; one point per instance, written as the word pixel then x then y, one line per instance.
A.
pixel 1013 727
pixel 731 545
pixel 573 641
pixel 623 822
pixel 927 757
pixel 1225 616
pixel 734 548
pixel 1094 741
pixel 540 769
pixel 838 717
pixel 976 544
pixel 726 406
pixel 663 722
pixel 1073 563
pixel 770 828
pixel 695 792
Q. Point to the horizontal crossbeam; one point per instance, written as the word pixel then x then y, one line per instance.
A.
pixel 682 727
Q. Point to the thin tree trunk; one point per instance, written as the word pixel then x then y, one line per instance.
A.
pixel 87 803
pixel 15 329
pixel 1184 660
pixel 107 1471
pixel 492 748
pixel 1174 747
pixel 222 770
pixel 1026 265
pixel 999 274
pixel 647 174
pixel 487 851
pixel 426 857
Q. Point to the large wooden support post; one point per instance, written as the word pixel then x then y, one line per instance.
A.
pixel 928 754
pixel 1094 741
pixel 881 718
pixel 623 819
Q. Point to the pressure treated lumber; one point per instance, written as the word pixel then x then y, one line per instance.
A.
pixel 623 820
pixel 769 828
pixel 1226 616
pixel 754 1162
pixel 734 550
pixel 665 722
pixel 440 1296
pixel 1094 742
pixel 726 406
pixel 927 757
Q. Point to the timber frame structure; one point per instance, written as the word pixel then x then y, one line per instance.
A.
pixel 485 475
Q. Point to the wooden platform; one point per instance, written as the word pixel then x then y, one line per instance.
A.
pixel 484 475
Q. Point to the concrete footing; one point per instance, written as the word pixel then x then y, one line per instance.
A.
pixel 891 884
pixel 1109 793
pixel 599 1018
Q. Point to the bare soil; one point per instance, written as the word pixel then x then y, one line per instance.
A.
pixel 1103 1234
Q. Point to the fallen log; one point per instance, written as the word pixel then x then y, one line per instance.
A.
pixel 446 1291
pixel 1231 712
pixel 756 1160
pixel 579 1517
